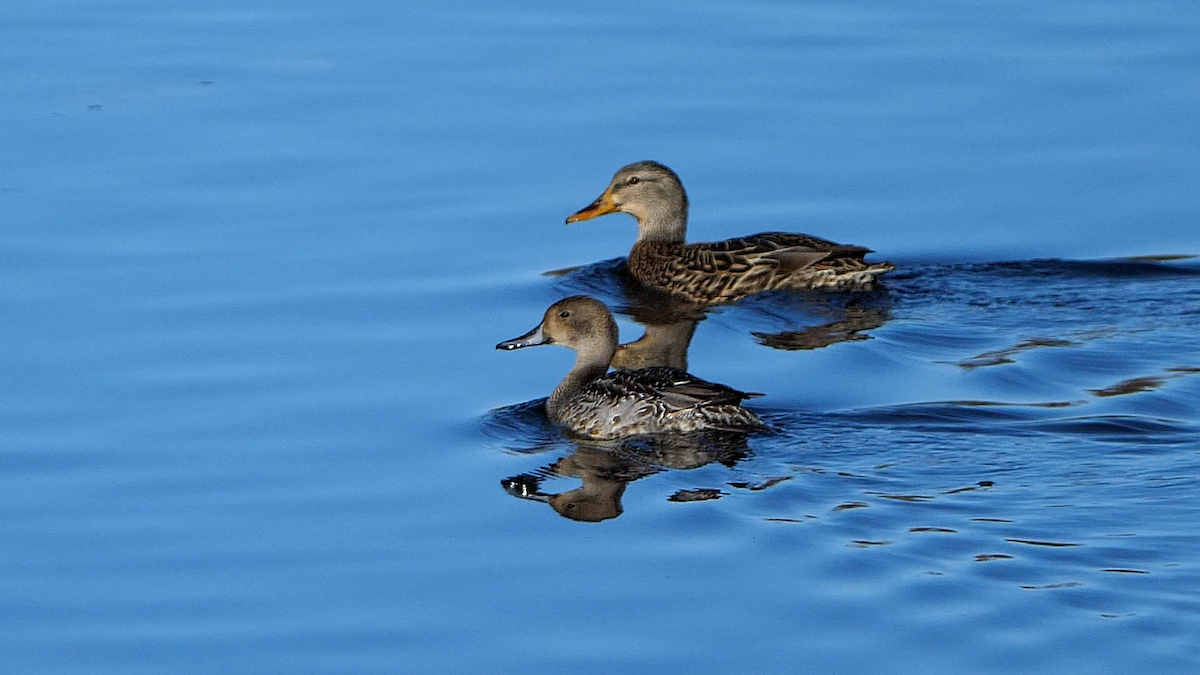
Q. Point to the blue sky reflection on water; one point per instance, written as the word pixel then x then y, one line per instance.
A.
pixel 256 258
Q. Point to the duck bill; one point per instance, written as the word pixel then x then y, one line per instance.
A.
pixel 604 204
pixel 525 486
pixel 533 338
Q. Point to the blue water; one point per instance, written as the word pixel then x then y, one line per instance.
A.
pixel 255 257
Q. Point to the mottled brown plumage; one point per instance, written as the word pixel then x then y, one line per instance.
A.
pixel 726 270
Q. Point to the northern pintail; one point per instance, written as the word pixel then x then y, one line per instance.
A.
pixel 595 403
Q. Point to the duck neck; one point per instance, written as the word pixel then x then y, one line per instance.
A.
pixel 664 223
pixel 589 365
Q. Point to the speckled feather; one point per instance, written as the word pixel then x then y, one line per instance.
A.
pixel 724 271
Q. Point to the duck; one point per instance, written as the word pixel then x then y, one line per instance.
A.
pixel 593 403
pixel 722 271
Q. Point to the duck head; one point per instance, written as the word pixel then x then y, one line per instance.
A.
pixel 648 191
pixel 578 322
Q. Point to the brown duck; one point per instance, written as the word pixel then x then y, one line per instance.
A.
pixel 722 271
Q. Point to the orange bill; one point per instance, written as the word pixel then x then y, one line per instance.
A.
pixel 603 204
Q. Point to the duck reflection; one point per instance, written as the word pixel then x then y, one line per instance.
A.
pixel 605 470
pixel 853 324
pixel 661 345
pixel 668 327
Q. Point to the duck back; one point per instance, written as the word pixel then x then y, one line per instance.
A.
pixel 654 400
pixel 724 271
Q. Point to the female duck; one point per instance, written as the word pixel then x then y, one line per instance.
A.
pixel 595 403
pixel 720 271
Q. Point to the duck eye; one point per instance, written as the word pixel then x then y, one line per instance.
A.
pixel 564 314
pixel 634 180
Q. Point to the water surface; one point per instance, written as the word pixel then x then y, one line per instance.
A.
pixel 256 257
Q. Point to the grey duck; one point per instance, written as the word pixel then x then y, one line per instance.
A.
pixel 598 404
